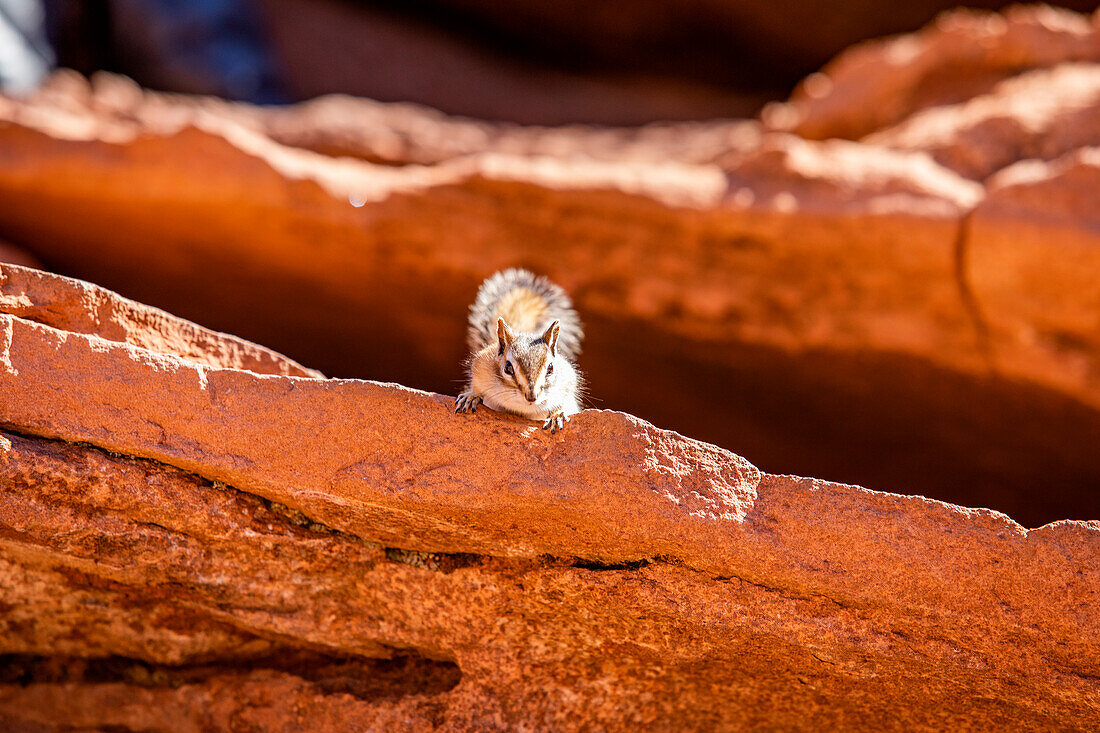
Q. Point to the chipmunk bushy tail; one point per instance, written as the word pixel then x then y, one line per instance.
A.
pixel 527 302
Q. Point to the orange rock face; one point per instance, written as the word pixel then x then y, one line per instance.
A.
pixel 188 546
pixel 1034 243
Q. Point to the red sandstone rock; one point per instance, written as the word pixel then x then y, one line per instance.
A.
pixel 710 272
pixel 963 54
pixel 194 534
pixel 611 576
pixel 397 134
pixel 1033 248
pixel 379 132
pixel 355 435
pixel 1041 114
pixel 81 307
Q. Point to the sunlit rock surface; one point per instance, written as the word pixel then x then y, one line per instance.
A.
pixel 961 55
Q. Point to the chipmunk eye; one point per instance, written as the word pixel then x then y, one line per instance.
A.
pixel 508 369
pixel 549 370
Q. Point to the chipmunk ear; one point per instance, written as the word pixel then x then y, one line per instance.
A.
pixel 504 335
pixel 551 337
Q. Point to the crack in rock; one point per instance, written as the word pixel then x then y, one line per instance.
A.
pixel 365 678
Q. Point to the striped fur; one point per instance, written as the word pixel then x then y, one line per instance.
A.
pixel 528 303
pixel 523 364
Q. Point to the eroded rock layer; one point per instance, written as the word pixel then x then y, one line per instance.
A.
pixel 79 307
pixel 187 546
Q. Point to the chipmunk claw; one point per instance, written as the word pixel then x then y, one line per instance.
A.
pixel 554 423
pixel 467 402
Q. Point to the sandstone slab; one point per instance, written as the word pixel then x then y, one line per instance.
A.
pixel 80 307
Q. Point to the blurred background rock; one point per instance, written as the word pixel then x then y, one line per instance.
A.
pixel 529 61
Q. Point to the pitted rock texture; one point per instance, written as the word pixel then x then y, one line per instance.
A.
pixel 822 307
pixel 191 547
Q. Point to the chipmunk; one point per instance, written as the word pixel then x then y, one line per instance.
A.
pixel 523 337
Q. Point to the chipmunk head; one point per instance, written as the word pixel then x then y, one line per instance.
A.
pixel 527 360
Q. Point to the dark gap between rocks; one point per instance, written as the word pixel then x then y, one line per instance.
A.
pixel 884 421
pixel 444 562
pixel 600 565
pixel 362 677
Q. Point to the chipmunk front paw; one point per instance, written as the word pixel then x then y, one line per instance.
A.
pixel 555 422
pixel 467 402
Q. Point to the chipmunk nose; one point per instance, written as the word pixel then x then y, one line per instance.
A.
pixel 530 396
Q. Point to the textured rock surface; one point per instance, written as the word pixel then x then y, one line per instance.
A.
pixel 817 306
pixel 397 134
pixel 190 547
pixel 390 133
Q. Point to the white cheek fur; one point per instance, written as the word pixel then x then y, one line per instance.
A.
pixel 512 400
